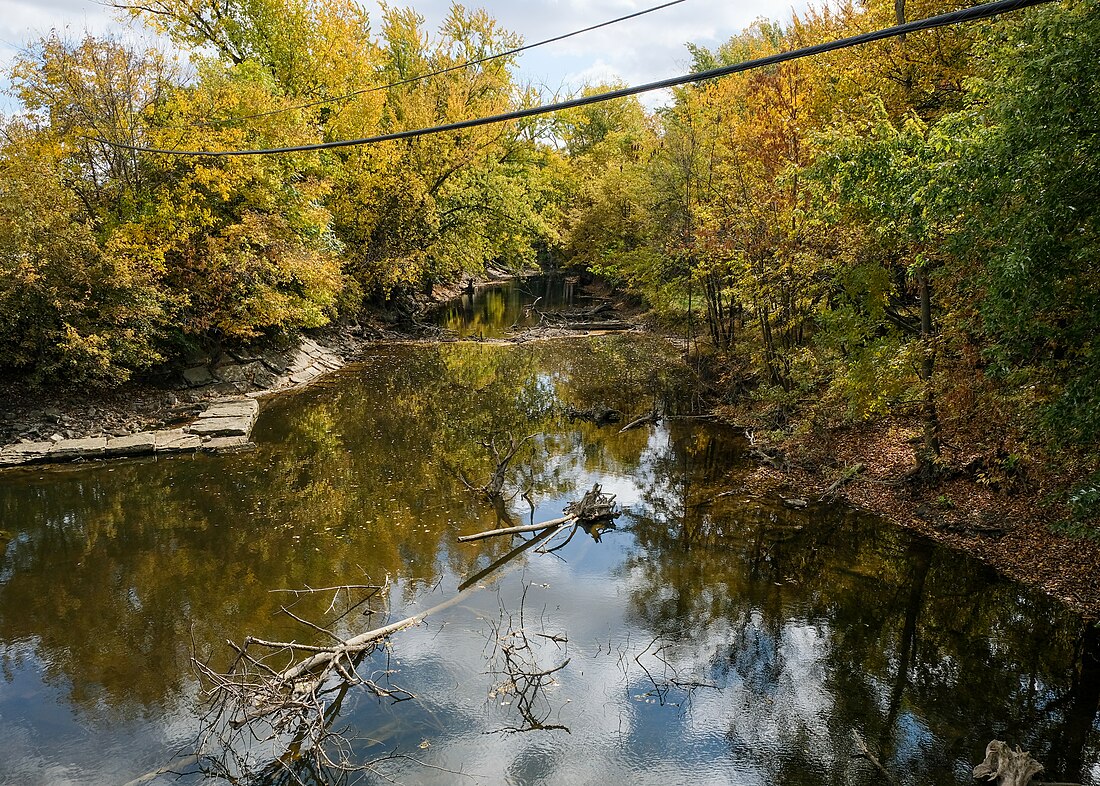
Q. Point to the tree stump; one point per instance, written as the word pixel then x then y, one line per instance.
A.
pixel 1006 767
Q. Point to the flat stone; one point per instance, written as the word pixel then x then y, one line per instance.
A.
pixel 278 362
pixel 27 452
pixel 305 375
pixel 132 444
pixel 264 378
pixel 226 444
pixel 68 449
pixel 300 363
pixel 246 355
pixel 237 408
pixel 176 440
pixel 13 456
pixel 243 373
pixel 311 347
pixel 199 375
pixel 222 427
pixel 227 388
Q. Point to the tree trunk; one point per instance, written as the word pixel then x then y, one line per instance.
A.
pixel 928 367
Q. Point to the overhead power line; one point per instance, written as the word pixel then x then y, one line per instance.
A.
pixel 459 66
pixel 974 13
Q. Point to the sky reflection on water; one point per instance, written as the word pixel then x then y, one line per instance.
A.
pixel 712 637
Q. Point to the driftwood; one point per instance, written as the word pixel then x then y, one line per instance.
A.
pixel 593 506
pixel 615 324
pixel 495 486
pixel 647 418
pixel 1006 767
pixel 845 477
pixel 773 457
pixel 294 707
pixel 863 752
pixel 600 310
pixel 523 682
pixel 598 317
pixel 515 530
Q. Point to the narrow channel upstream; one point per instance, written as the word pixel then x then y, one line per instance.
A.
pixel 710 637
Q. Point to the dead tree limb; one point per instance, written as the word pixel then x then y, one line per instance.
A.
pixel 515 530
pixel 610 325
pixel 594 505
pixel 495 485
pixel 525 682
pixel 649 417
pixel 845 477
pixel 285 690
pixel 773 457
pixel 863 752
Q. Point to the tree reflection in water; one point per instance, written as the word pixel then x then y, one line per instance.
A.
pixel 823 621
pixel 808 624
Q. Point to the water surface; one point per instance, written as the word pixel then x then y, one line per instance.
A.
pixel 712 637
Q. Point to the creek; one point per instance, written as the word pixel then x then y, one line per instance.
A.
pixel 711 637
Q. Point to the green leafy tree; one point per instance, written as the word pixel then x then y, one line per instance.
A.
pixel 1032 160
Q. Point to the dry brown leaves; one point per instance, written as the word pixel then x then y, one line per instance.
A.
pixel 1009 531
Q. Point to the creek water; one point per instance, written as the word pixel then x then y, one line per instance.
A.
pixel 709 637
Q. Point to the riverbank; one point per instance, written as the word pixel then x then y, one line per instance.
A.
pixel 869 466
pixel 179 409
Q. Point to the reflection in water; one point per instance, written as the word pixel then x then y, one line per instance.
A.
pixel 712 637
pixel 491 312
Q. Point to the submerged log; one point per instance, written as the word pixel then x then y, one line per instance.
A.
pixel 600 414
pixel 864 752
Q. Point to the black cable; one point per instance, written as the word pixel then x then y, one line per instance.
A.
pixel 449 69
pixel 983 11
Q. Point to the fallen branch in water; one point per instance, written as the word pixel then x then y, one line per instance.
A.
pixel 524 682
pixel 515 530
pixel 600 414
pixel 649 417
pixel 592 506
pixel 290 693
pixel 863 752
pixel 293 707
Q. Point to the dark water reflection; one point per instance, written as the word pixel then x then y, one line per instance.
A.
pixel 713 637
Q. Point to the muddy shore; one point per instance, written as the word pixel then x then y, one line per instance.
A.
pixel 869 466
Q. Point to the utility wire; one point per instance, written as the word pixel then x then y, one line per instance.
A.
pixel 983 11
pixel 449 69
